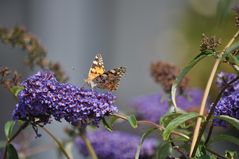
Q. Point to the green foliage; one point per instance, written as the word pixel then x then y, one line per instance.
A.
pixel 231 154
pixel 16 89
pixel 232 59
pixel 224 137
pixel 181 119
pixel 186 69
pixel 113 119
pixel 11 152
pixel 8 128
pixel 107 125
pixel 232 48
pixel 201 153
pixel 132 120
pixel 146 134
pixel 164 150
pixel 168 117
pixel 232 121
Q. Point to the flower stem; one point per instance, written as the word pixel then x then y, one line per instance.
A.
pixel 150 123
pixel 88 146
pixel 23 126
pixel 209 133
pixel 59 144
pixel 211 112
pixel 206 92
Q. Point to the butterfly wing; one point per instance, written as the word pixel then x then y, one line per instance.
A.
pixel 96 69
pixel 110 79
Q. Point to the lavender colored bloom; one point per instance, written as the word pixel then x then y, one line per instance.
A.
pixel 117 145
pixel 229 102
pixel 224 78
pixel 228 105
pixel 43 97
pixel 152 107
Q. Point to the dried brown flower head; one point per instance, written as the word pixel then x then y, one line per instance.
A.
pixel 209 43
pixel 165 74
pixel 36 54
pixel 9 78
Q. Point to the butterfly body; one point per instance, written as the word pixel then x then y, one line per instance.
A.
pixel 98 77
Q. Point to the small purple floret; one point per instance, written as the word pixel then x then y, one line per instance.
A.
pixel 44 97
pixel 117 145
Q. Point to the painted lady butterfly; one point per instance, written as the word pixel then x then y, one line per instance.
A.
pixel 97 77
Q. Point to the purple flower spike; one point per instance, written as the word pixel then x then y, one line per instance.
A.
pixel 117 145
pixel 224 78
pixel 152 107
pixel 43 97
pixel 229 102
pixel 228 105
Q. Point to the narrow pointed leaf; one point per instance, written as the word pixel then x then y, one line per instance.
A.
pixel 176 122
pixel 11 152
pixel 224 137
pixel 185 70
pixel 232 121
pixel 16 89
pixel 233 47
pixel 133 122
pixel 142 141
pixel 107 125
pixel 8 128
pixel 164 150
pixel 165 120
pixel 113 120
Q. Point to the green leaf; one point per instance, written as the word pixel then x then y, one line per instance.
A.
pixel 185 70
pixel 11 152
pixel 142 141
pixel 231 154
pixel 178 121
pixel 201 153
pixel 113 120
pixel 106 125
pixel 164 150
pixel 233 59
pixel 16 89
pixel 224 137
pixel 8 128
pixel 231 49
pixel 165 120
pixel 233 121
pixel 132 120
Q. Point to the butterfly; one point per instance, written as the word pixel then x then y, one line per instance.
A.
pixel 97 77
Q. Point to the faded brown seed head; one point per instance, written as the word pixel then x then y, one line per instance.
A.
pixel 165 74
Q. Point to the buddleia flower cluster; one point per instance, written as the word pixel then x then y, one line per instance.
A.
pixel 43 97
pixel 229 102
pixel 117 145
pixel 153 106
